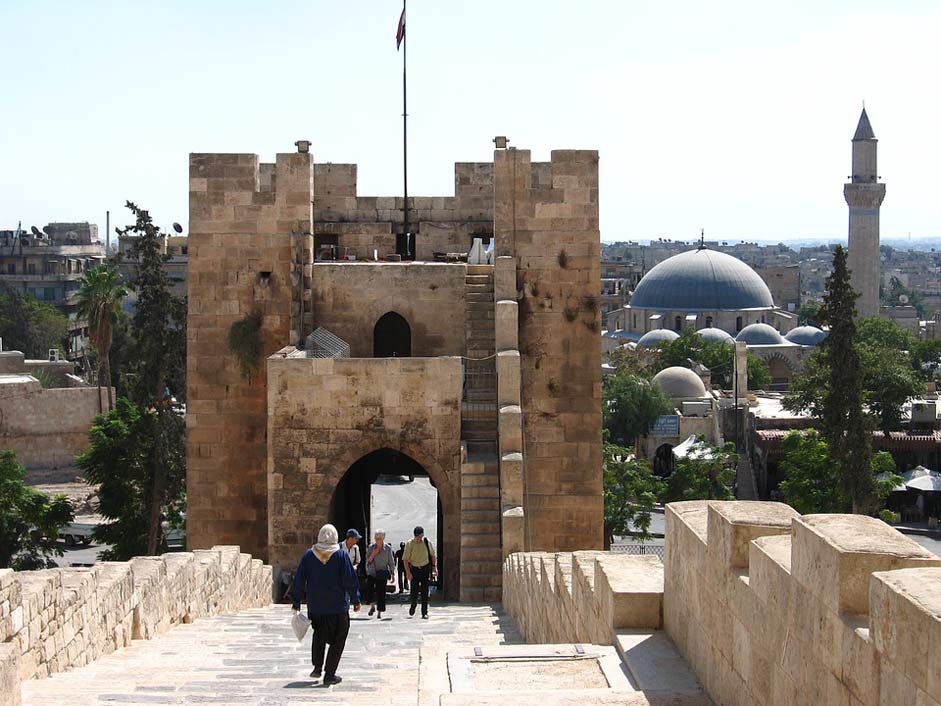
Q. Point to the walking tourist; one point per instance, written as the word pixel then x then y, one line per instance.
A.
pixel 400 568
pixel 351 547
pixel 420 566
pixel 379 564
pixel 326 579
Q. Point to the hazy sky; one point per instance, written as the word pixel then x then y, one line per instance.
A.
pixel 733 116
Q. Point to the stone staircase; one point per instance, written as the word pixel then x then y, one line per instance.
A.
pixel 745 480
pixel 481 551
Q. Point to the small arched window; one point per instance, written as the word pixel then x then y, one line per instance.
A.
pixel 392 337
pixel 738 323
pixel 708 322
pixel 677 323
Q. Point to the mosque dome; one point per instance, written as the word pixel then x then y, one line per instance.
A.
pixel 657 337
pixel 702 280
pixel 760 335
pixel 715 334
pixel 680 383
pixel 806 335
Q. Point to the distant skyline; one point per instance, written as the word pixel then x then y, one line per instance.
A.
pixel 732 116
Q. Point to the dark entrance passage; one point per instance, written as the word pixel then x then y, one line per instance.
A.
pixel 663 461
pixel 392 337
pixel 388 490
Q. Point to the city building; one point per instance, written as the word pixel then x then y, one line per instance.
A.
pixel 176 246
pixel 47 265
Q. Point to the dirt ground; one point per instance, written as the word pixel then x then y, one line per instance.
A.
pixel 67 482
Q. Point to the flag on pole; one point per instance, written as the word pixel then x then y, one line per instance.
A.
pixel 400 32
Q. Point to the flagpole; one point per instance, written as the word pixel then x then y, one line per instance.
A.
pixel 408 245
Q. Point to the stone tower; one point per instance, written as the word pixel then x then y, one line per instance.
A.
pixel 864 195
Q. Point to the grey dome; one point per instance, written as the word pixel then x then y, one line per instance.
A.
pixel 702 280
pixel 806 335
pixel 715 334
pixel 680 383
pixel 656 338
pixel 760 335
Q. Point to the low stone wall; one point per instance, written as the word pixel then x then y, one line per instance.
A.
pixel 770 608
pixel 581 596
pixel 56 619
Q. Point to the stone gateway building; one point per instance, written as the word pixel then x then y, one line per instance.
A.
pixel 484 377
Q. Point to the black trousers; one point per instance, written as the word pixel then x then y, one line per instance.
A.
pixel 329 630
pixel 378 595
pixel 420 576
pixel 403 581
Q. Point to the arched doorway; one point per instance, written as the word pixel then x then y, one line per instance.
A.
pixel 392 337
pixel 388 489
pixel 663 460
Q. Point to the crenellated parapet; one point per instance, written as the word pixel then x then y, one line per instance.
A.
pixel 770 607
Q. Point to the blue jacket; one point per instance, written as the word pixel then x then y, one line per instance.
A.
pixel 329 587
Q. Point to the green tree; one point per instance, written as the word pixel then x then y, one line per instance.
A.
pixel 900 295
pixel 631 403
pixel 705 473
pixel 812 482
pixel 717 356
pixel 29 326
pixel 99 302
pixel 124 441
pixel 157 374
pixel 630 492
pixel 29 520
pixel 809 314
pixel 832 388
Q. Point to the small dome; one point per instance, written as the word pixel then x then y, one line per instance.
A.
pixel 702 280
pixel 806 335
pixel 715 334
pixel 680 383
pixel 657 337
pixel 760 335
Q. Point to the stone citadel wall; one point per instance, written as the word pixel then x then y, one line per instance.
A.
pixel 769 608
pixel 546 219
pixel 57 619
pixel 349 298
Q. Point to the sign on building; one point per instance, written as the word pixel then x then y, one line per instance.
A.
pixel 666 425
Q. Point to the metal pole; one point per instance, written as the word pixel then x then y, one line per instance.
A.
pixel 405 135
pixel 107 233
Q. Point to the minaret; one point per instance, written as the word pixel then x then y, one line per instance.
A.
pixel 864 195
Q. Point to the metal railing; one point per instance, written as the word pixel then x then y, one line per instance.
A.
pixel 638 549
pixel 479 398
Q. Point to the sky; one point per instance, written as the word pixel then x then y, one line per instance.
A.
pixel 733 115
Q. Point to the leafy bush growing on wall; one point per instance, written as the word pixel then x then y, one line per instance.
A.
pixel 245 341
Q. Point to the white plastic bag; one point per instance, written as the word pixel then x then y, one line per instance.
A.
pixel 299 624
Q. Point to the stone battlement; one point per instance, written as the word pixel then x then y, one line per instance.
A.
pixel 768 607
pixel 57 619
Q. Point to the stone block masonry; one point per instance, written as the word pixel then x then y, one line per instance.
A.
pixel 546 219
pixel 58 619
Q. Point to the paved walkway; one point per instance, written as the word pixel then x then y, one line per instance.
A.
pixel 253 658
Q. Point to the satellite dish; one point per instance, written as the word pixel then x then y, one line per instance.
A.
pixel 35 231
pixel 903 298
pixel 177 227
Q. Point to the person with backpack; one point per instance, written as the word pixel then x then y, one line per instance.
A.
pixel 325 577
pixel 420 566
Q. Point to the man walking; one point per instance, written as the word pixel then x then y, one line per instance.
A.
pixel 326 578
pixel 420 566
pixel 400 568
pixel 351 547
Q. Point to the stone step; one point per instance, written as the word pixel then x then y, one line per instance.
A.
pixel 490 528
pixel 482 554
pixel 478 287
pixel 473 517
pixel 481 447
pixel 480 580
pixel 474 480
pixel 480 270
pixel 477 465
pixel 653 661
pixel 471 435
pixel 478 279
pixel 482 567
pixel 473 504
pixel 480 540
pixel 489 594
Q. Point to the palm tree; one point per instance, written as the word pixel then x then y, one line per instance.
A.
pixel 99 301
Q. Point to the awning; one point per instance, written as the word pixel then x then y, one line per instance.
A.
pixel 692 317
pixel 691 449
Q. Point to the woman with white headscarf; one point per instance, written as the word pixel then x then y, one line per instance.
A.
pixel 326 578
pixel 380 562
